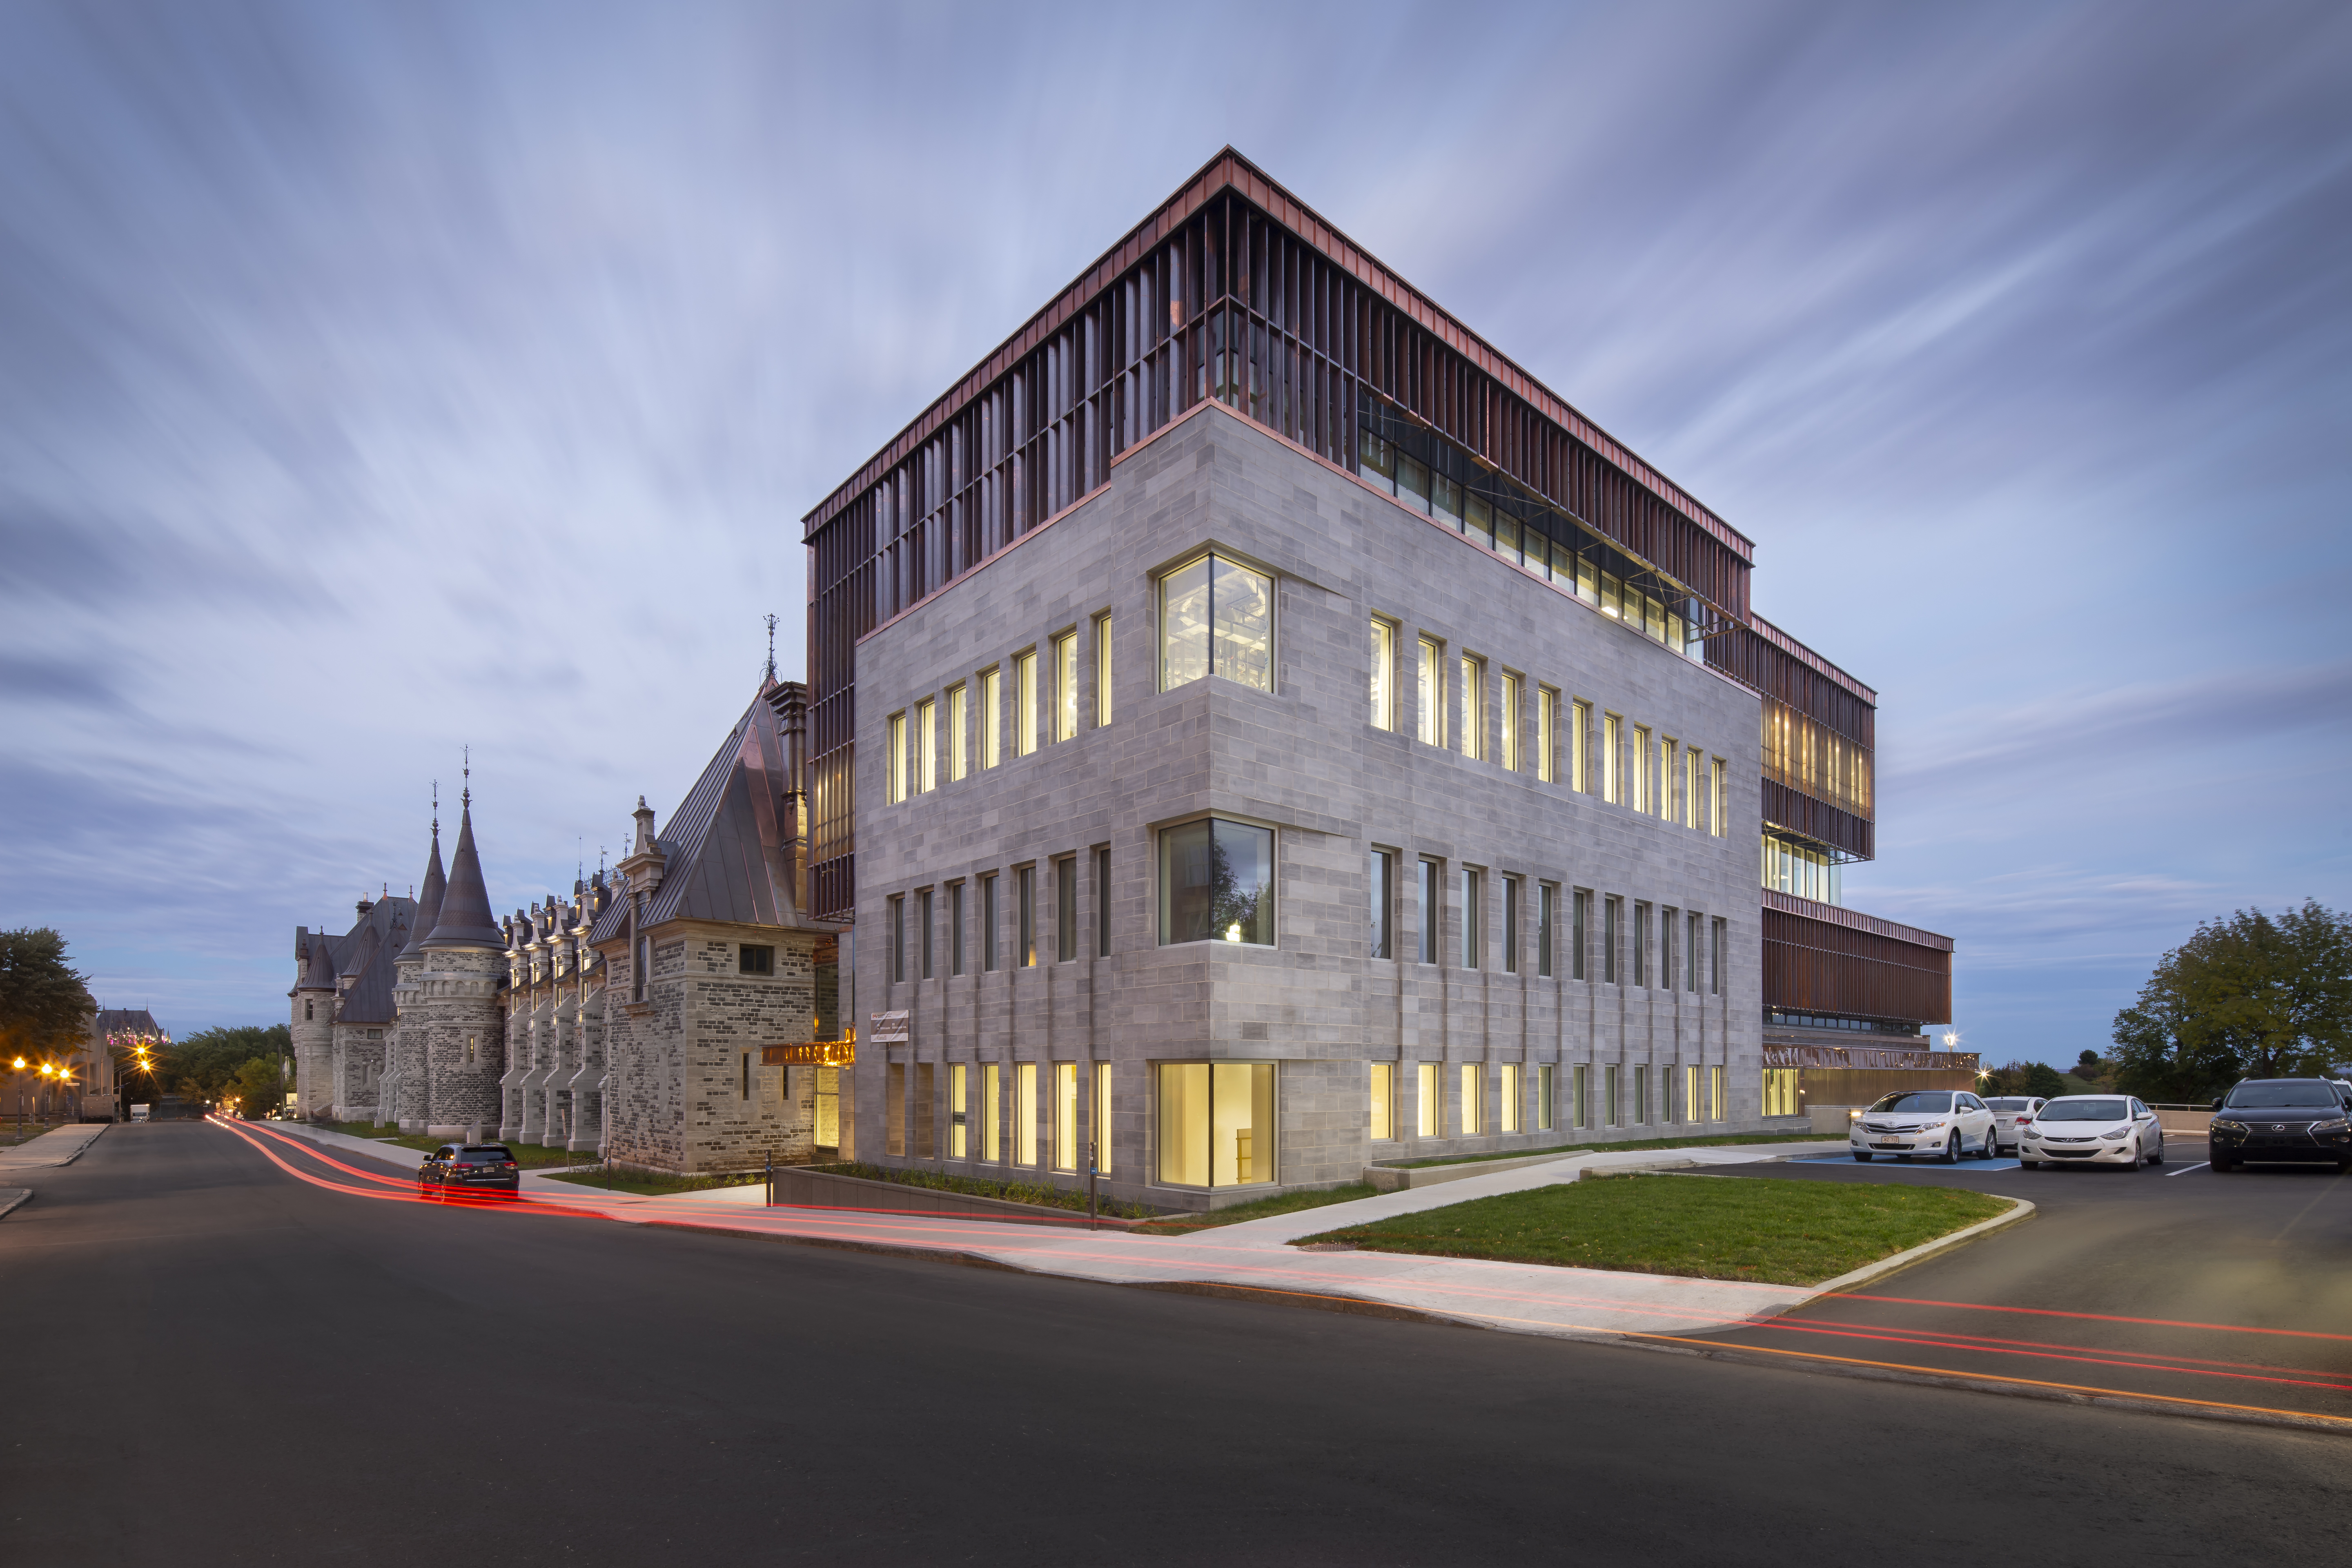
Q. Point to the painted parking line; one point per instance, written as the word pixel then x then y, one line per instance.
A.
pixel 2186 1169
pixel 1968 1162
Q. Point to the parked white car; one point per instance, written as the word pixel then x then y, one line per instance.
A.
pixel 2095 1129
pixel 2012 1114
pixel 1939 1123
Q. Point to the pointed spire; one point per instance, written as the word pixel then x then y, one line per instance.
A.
pixel 428 903
pixel 465 915
pixel 318 973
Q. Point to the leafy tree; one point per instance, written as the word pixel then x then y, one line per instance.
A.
pixel 258 1087
pixel 2041 1078
pixel 2255 995
pixel 45 1007
pixel 206 1064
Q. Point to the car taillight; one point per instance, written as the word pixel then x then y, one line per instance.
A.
pixel 2024 1120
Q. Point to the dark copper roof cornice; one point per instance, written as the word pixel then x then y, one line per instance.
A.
pixel 1229 171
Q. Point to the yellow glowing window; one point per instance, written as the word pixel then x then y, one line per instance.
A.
pixel 1432 1098
pixel 1024 1113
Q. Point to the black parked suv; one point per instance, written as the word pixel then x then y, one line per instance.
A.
pixel 2303 1120
pixel 488 1168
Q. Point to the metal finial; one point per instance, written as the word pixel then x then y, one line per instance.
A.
pixel 467 795
pixel 771 646
pixel 436 809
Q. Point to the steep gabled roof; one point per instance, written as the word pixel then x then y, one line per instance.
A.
pixel 369 998
pixel 132 1020
pixel 465 918
pixel 318 972
pixel 724 848
pixel 429 895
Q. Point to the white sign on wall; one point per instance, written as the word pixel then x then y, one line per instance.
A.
pixel 889 1029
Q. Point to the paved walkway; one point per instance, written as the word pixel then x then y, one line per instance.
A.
pixel 1249 1259
pixel 58 1146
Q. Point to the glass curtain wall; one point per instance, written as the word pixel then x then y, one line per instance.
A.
pixel 1216 1123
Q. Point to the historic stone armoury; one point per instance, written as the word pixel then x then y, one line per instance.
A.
pixel 342 1009
pixel 553 1087
pixel 459 982
pixel 402 1103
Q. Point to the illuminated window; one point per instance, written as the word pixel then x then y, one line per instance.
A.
pixel 1612 730
pixel 1384 675
pixel 1715 1110
pixel 1102 677
pixel 958 727
pixel 1065 1116
pixel 1024 703
pixel 959 1132
pixel 1472 1109
pixel 1510 716
pixel 1694 787
pixel 1579 741
pixel 927 746
pixel 1718 799
pixel 1637 764
pixel 992 718
pixel 828 1108
pixel 894 785
pixel 1024 1113
pixel 992 1112
pixel 1383 1101
pixel 1216 617
pixel 1780 1091
pixel 1102 1117
pixel 1507 1118
pixel 1546 734
pixel 1065 687
pixel 1216 1123
pixel 1693 1102
pixel 1473 707
pixel 1431 1099
pixel 1667 778
pixel 1217 883
pixel 1431 694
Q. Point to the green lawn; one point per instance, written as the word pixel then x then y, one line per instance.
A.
pixel 1718 1140
pixel 1033 1192
pixel 651 1185
pixel 1281 1203
pixel 530 1156
pixel 1708 1227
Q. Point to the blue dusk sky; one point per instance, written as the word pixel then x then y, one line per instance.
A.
pixel 380 380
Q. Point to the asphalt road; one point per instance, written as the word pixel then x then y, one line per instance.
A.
pixel 2169 1281
pixel 211 1362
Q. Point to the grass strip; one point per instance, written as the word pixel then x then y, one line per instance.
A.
pixel 530 1156
pixel 1705 1227
pixel 1281 1203
pixel 974 1187
pixel 1719 1140
pixel 655 1183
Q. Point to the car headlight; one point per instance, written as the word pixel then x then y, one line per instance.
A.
pixel 2340 1125
pixel 1927 1127
pixel 2116 1132
pixel 2229 1127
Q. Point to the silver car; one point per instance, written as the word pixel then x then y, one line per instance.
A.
pixel 1939 1123
pixel 2011 1115
pixel 2093 1130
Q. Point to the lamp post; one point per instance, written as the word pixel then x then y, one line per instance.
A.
pixel 19 1066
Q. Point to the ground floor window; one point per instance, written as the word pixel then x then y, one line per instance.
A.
pixel 1216 1123
pixel 1780 1091
pixel 992 1112
pixel 1474 1100
pixel 1579 1095
pixel 1430 1097
pixel 1383 1101
pixel 1715 1112
pixel 1547 1086
pixel 1691 1099
pixel 1024 1113
pixel 1065 1116
pixel 828 1108
pixel 959 1133
pixel 1507 1121
pixel 1610 1102
pixel 1102 1070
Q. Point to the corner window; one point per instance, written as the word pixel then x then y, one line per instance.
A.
pixel 1216 617
pixel 1216 1123
pixel 1217 883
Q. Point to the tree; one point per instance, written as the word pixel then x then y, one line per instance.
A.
pixel 2041 1078
pixel 45 1007
pixel 2255 995
pixel 259 1086
pixel 206 1064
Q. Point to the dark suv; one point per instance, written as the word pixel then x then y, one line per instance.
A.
pixel 2285 1119
pixel 469 1168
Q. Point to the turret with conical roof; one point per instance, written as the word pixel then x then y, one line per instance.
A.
pixel 428 897
pixel 463 919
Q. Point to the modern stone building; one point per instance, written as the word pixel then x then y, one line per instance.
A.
pixel 1260 731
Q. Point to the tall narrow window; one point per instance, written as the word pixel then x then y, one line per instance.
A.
pixel 1511 886
pixel 1024 703
pixel 992 718
pixel 1506 1104
pixel 1433 914
pixel 1714 964
pixel 1546 1087
pixel 1694 779
pixel 1579 739
pixel 1690 950
pixel 1693 1102
pixel 1065 1116
pixel 1579 914
pixel 1612 1101
pixel 1637 764
pixel 1641 1095
pixel 898 939
pixel 1102 905
pixel 992 1112
pixel 958 732
pixel 923 928
pixel 1216 617
pixel 1510 717
pixel 1579 1095
pixel 1715 1110
pixel 988 923
pixel 1065 908
pixel 1473 707
pixel 1546 922
pixel 1666 925
pixel 1430 1100
pixel 927 746
pixel 1470 935
pixel 1102 694
pixel 1065 687
pixel 1717 801
pixel 1474 1100
pixel 1612 730
pixel 1641 943
pixel 1613 914
pixel 1379 875
pixel 1667 778
pixel 1102 1117
pixel 1024 910
pixel 1431 694
pixel 959 1124
pixel 1384 675
pixel 1546 734
pixel 1024 1113
pixel 893 787
pixel 1383 1101
pixel 955 928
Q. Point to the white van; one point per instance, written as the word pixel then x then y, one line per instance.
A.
pixel 139 1113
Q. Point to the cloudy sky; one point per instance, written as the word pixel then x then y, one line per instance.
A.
pixel 378 381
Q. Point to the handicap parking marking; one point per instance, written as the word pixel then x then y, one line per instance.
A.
pixel 1926 1162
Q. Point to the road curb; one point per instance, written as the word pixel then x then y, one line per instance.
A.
pixel 13 1198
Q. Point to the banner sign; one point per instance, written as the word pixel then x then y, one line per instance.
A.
pixel 889 1029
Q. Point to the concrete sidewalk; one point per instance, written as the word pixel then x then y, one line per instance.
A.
pixel 58 1146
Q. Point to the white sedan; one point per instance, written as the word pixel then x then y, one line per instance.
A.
pixel 1941 1123
pixel 2092 1130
